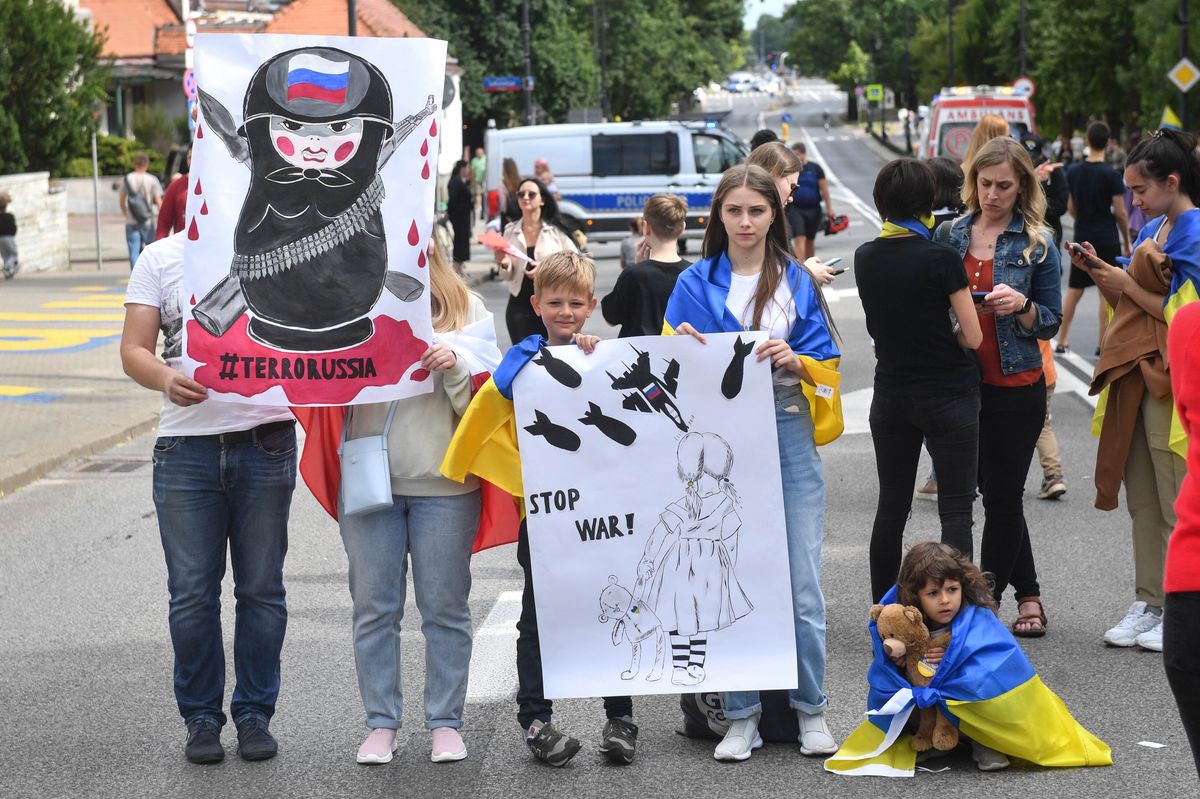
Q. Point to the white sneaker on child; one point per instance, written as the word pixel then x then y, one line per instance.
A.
pixel 988 759
pixel 1151 639
pixel 740 739
pixel 815 737
pixel 1138 619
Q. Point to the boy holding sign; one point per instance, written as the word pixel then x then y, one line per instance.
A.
pixel 485 444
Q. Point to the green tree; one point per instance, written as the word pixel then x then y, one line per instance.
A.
pixel 51 73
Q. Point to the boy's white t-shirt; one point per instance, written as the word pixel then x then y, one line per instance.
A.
pixel 157 281
pixel 778 319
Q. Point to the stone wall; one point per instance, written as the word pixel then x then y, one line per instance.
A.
pixel 81 200
pixel 43 239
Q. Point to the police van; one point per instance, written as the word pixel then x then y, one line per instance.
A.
pixel 956 110
pixel 606 171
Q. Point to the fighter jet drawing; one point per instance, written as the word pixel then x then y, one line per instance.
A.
pixel 650 393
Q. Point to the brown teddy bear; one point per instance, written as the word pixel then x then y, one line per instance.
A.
pixel 905 635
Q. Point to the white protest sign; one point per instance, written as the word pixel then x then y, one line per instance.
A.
pixel 654 506
pixel 309 211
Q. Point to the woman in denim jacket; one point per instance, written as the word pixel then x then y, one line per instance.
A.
pixel 1012 267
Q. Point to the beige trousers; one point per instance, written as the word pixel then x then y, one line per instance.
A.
pixel 1153 475
pixel 1047 444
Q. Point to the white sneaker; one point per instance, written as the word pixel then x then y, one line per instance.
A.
pixel 740 740
pixel 815 737
pixel 1137 621
pixel 1151 639
pixel 988 759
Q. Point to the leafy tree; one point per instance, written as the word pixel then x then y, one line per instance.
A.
pixel 50 74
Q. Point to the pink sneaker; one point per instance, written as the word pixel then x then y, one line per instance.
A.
pixel 378 747
pixel 447 745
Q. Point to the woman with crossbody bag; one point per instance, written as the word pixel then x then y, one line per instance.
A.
pixel 430 519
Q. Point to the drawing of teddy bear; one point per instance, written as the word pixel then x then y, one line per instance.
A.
pixel 635 622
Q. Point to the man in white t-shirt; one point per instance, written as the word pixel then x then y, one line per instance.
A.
pixel 223 476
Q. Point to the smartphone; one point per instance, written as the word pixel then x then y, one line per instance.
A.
pixel 978 296
pixel 832 261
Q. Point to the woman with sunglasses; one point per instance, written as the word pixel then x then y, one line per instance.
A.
pixel 538 233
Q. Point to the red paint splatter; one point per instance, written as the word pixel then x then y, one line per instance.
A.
pixel 433 128
pixel 414 236
pixel 420 375
pixel 199 131
pixel 285 145
pixel 204 208
pixel 421 259
pixel 193 231
pixel 425 147
pixel 196 190
pixel 425 171
pixel 343 152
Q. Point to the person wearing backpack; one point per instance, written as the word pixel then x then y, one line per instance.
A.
pixel 804 212
pixel 140 196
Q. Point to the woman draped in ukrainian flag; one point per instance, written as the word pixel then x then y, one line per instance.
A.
pixel 1141 440
pixel 748 281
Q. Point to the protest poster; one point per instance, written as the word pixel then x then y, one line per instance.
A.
pixel 655 515
pixel 309 212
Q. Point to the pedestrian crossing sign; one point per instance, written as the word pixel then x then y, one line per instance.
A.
pixel 1184 74
pixel 874 92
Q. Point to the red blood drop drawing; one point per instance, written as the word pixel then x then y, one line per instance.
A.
pixel 433 128
pixel 420 375
pixel 425 171
pixel 199 131
pixel 421 259
pixel 204 208
pixel 196 190
pixel 193 231
pixel 193 299
pixel 425 147
pixel 413 236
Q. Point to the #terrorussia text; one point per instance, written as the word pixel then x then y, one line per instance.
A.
pixel 262 367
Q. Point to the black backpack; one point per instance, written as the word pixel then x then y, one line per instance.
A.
pixel 139 209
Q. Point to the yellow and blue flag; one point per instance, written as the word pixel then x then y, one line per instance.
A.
pixel 985 686
pixel 699 299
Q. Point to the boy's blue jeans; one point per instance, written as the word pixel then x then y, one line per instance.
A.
pixel 211 496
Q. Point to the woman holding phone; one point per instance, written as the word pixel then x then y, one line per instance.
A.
pixel 1008 252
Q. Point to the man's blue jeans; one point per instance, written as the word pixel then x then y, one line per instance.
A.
pixel 138 237
pixel 208 496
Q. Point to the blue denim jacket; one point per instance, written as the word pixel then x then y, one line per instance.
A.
pixel 1040 280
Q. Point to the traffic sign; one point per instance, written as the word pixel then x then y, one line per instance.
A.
pixel 1184 74
pixel 874 92
pixel 189 84
pixel 504 83
pixel 189 33
pixel 1024 85
pixel 785 118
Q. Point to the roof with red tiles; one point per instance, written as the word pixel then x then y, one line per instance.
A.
pixel 130 24
pixel 331 18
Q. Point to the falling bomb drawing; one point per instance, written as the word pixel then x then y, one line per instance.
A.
pixel 310 256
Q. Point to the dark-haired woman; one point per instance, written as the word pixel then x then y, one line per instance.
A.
pixel 926 386
pixel 459 209
pixel 1141 441
pixel 537 233
pixel 746 261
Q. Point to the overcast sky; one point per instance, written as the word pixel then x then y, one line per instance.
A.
pixel 755 8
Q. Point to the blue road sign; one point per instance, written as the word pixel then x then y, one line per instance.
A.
pixel 502 83
pixel 785 117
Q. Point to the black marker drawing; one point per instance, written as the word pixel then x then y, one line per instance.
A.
pixel 310 258
pixel 559 370
pixel 651 393
pixel 731 384
pixel 635 622
pixel 556 435
pixel 688 563
pixel 615 429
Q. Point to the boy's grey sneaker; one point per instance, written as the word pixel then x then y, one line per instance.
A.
pixel 1052 488
pixel 619 740
pixel 549 745
pixel 255 741
pixel 204 741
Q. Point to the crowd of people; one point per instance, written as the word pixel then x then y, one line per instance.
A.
pixel 962 294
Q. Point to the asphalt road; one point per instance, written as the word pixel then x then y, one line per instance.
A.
pixel 85 662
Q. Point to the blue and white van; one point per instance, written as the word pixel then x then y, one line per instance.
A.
pixel 606 171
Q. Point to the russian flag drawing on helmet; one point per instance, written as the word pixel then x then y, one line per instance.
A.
pixel 312 77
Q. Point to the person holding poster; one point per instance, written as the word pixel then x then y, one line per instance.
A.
pixel 747 280
pixel 432 520
pixel 223 479
pixel 485 445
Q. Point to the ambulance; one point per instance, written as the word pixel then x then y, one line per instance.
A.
pixel 956 110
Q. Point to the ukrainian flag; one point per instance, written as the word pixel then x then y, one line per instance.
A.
pixel 985 686
pixel 699 299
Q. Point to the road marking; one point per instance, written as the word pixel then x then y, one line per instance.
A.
pixel 1076 378
pixel 31 340
pixel 493 657
pixel 869 214
pixel 33 316
pixel 27 394
pixel 856 411
pixel 90 301
pixel 87 289
pixel 833 295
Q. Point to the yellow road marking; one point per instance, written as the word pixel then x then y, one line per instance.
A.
pixel 33 316
pixel 91 288
pixel 45 339
pixel 17 391
pixel 91 301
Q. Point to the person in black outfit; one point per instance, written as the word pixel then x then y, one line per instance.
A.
pixel 926 384
pixel 460 209
pixel 1054 184
pixel 1097 202
pixel 8 238
pixel 947 189
pixel 638 301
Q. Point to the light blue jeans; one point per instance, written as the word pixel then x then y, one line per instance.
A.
pixel 437 533
pixel 804 517
pixel 138 237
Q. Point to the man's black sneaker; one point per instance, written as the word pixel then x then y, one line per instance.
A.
pixel 204 741
pixel 255 741
pixel 619 740
pixel 550 745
